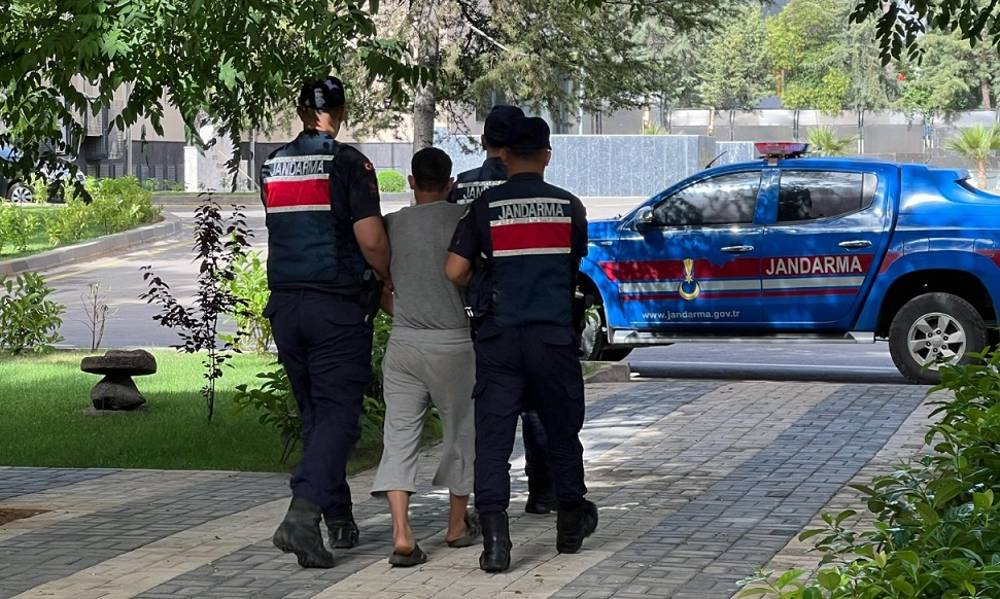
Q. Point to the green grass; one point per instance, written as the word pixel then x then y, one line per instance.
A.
pixel 43 400
pixel 39 240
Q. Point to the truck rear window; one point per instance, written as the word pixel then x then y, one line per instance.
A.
pixel 811 195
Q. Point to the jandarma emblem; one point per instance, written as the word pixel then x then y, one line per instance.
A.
pixel 689 288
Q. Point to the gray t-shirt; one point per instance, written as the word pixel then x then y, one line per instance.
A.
pixel 420 236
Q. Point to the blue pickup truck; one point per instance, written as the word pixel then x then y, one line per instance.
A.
pixel 792 249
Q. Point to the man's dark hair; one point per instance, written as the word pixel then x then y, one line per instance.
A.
pixel 431 168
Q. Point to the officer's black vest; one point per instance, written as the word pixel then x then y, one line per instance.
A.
pixel 310 243
pixel 532 267
pixel 471 184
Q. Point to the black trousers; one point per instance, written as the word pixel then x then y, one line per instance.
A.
pixel 325 346
pixel 537 368
pixel 536 454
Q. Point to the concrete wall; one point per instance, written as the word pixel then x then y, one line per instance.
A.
pixel 607 165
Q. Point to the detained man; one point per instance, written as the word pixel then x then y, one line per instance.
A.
pixel 429 361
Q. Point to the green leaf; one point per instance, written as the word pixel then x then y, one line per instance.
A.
pixel 829 579
pixel 788 578
pixel 928 513
pixel 983 501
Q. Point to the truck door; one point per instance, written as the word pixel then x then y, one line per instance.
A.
pixel 695 261
pixel 820 251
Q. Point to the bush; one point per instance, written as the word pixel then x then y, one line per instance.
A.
pixel 249 284
pixel 16 227
pixel 937 520
pixel 29 321
pixel 71 223
pixel 154 185
pixel 391 181
pixel 118 205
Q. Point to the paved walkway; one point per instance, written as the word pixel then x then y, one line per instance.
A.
pixel 698 483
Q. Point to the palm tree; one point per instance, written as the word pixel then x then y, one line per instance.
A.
pixel 824 142
pixel 977 144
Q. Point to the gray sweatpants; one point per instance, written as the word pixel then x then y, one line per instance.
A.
pixel 424 367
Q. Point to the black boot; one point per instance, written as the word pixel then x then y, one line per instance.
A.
pixel 496 542
pixel 343 532
pixel 299 534
pixel 541 502
pixel 573 525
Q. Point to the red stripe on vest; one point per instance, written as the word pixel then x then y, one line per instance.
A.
pixel 309 192
pixel 523 236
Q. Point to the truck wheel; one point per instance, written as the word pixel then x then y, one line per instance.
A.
pixel 931 330
pixel 594 339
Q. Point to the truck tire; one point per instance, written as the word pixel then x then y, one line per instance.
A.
pixel 594 339
pixel 934 329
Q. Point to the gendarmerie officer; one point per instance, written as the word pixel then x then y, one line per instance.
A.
pixel 469 185
pixel 325 239
pixel 532 235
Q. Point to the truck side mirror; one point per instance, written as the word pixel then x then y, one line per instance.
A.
pixel 644 219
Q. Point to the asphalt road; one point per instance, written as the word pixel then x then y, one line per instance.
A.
pixel 131 323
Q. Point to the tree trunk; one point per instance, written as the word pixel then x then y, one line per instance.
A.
pixel 427 29
pixel 982 174
pixel 984 89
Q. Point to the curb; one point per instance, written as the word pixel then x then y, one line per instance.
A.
pixel 608 372
pixel 250 200
pixel 168 226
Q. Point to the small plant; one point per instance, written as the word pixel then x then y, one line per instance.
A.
pixel 220 243
pixel 39 189
pixel 29 321
pixel 823 141
pixel 96 312
pixel 16 228
pixel 249 284
pixel 274 399
pixel 391 181
pixel 71 223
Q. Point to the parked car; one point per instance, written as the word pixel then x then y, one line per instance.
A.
pixel 790 249
pixel 14 190
pixel 57 179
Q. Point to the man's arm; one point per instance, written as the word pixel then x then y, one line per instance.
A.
pixel 458 269
pixel 374 244
pixel 366 213
pixel 465 245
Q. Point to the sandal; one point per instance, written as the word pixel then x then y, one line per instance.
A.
pixel 471 535
pixel 415 558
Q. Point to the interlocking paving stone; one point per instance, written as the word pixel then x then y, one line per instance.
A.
pixel 263 572
pixel 48 554
pixel 698 483
pixel 713 537
pixel 25 481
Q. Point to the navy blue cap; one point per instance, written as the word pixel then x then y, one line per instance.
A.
pixel 529 134
pixel 322 95
pixel 496 129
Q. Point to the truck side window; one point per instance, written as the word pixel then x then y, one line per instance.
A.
pixel 724 200
pixel 810 195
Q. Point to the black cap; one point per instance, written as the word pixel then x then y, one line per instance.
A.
pixel 322 95
pixel 496 129
pixel 529 134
